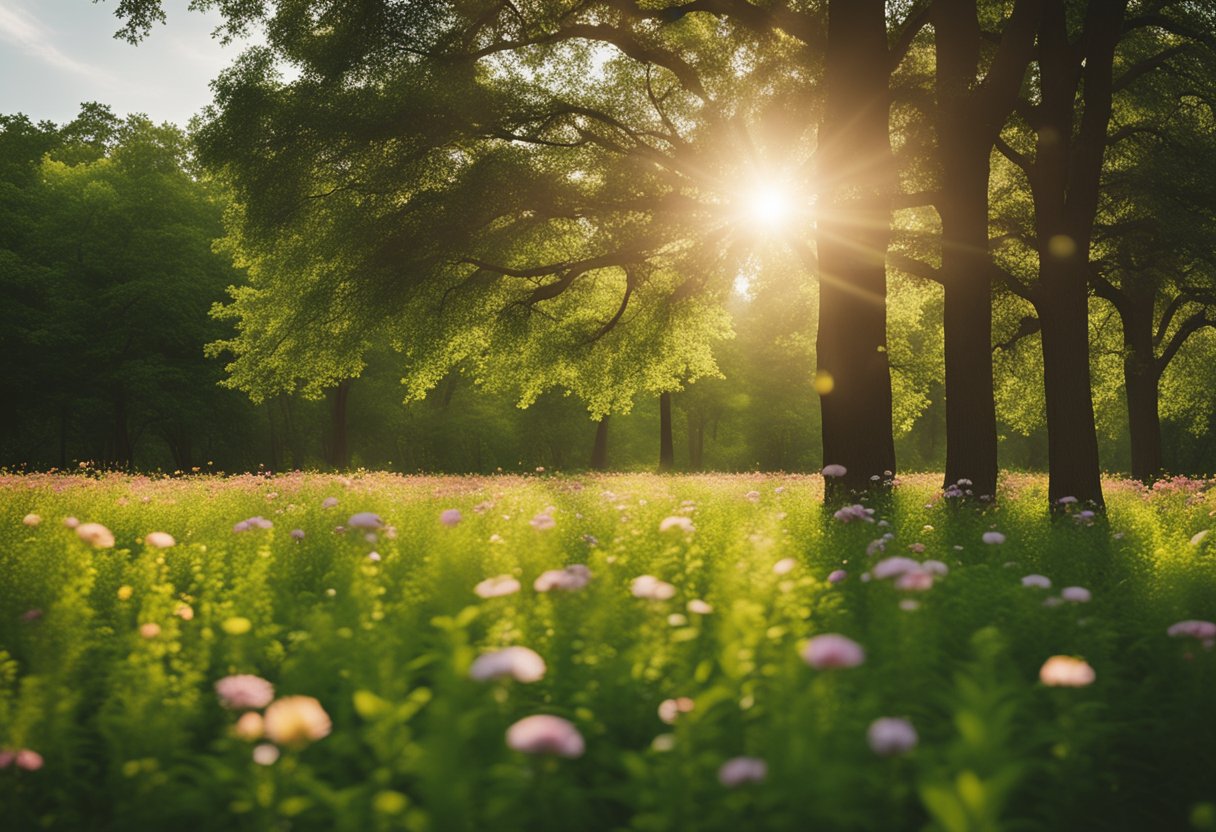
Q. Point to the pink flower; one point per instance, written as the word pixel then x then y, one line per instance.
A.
pixel 832 651
pixel 670 709
pixel 329 502
pixel 244 692
pixel 29 759
pixel 1037 581
pixel 297 534
pixel 935 567
pixel 573 577
pixel 520 663
pixel 916 580
pixel 837 575
pixel 295 721
pixel 545 734
pixel 754 496
pixel 257 522
pixel 993 538
pixel 96 535
pixel 699 607
pixel 894 567
pixel 497 586
pixel 364 520
pixel 651 588
pixel 1076 594
pixel 855 512
pixel 450 517
pixel 1066 672
pixel 160 540
pixel 737 771
pixel 1192 628
pixel 149 630
pixel 542 522
pixel 834 470
pixel 71 522
pixel 890 736
pixel 683 524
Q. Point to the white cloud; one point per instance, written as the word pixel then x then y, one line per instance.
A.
pixel 19 27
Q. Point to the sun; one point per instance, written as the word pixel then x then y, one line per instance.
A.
pixel 769 205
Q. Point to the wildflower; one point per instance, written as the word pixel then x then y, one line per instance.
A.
pixel 832 651
pixel 244 692
pixel 31 519
pixel 297 534
pixel 573 577
pixel 256 522
pixel 1204 630
pixel 265 754
pixel 890 736
pixel 1066 672
pixel 149 630
pixel 737 771
pixel 160 540
pixel 374 557
pixel 364 520
pixel 520 663
pixel 1066 501
pixel 784 566
pixel 249 727
pixel 834 470
pixel 497 586
pixel 71 522
pixel 916 580
pixel 25 758
pixel 450 517
pixel 650 587
pixel 670 709
pixel 663 742
pixel 542 522
pixel 754 496
pixel 854 512
pixel 125 592
pixel 295 721
pixel 909 605
pixel 545 734
pixel 837 575
pixel 329 502
pixel 1037 581
pixel 1084 518
pixel 935 567
pixel 894 567
pixel 676 620
pixel 993 538
pixel 237 625
pixel 96 535
pixel 185 612
pixel 1076 594
pixel 681 523
pixel 699 607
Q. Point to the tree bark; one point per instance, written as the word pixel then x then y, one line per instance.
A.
pixel 1141 378
pixel 667 454
pixel 599 453
pixel 855 169
pixel 339 448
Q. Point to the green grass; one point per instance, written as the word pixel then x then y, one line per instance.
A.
pixel 133 737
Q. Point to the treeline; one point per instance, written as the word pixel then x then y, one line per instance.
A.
pixel 109 266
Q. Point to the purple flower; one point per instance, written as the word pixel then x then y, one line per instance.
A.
pixel 364 520
pixel 1076 594
pixel 737 771
pixel 1037 581
pixel 890 736
pixel 329 502
pixel 297 534
pixel 830 651
pixel 837 575
pixel 573 577
pixel 855 512
pixel 545 734
pixel 450 517
pixel 834 470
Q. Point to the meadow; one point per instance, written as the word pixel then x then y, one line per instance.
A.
pixel 311 651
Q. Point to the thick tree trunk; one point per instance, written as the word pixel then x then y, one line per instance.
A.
pixel 967 276
pixel 667 453
pixel 1141 377
pixel 599 453
pixel 1072 439
pixel 855 169
pixel 339 448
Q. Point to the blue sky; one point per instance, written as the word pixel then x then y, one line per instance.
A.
pixel 54 54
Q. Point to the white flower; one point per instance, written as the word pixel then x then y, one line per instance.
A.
pixel 497 586
pixel 993 538
pixel 96 535
pixel 651 588
pixel 699 607
pixel 1076 594
pixel 544 734
pixel 573 577
pixel 784 566
pixel 520 663
pixel 160 540
pixel 890 736
pixel 1036 581
pixel 681 523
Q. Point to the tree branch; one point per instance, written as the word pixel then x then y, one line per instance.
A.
pixel 1191 325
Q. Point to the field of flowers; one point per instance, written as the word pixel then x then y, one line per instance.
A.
pixel 599 653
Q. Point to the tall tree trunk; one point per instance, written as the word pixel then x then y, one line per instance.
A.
pixel 1065 184
pixel 854 164
pixel 339 449
pixel 967 276
pixel 969 119
pixel 1141 377
pixel 696 439
pixel 667 453
pixel 599 453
